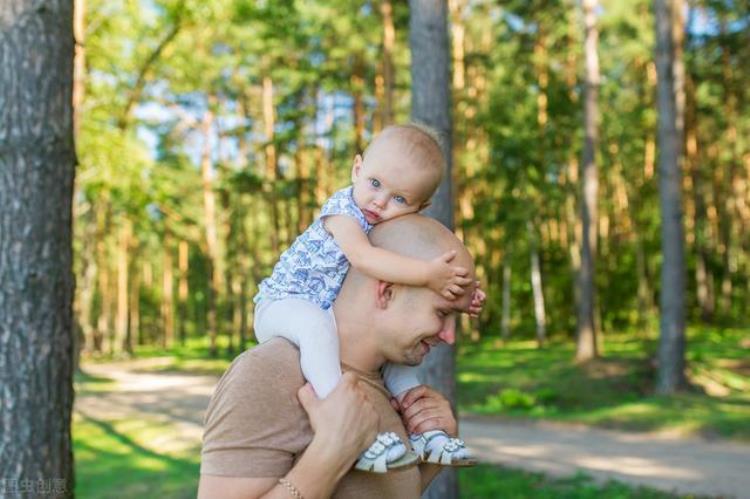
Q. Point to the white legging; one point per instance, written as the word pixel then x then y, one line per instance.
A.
pixel 313 330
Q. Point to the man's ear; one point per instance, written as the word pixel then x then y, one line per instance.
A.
pixel 384 294
pixel 356 167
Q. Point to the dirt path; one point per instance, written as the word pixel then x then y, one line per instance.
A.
pixel 673 464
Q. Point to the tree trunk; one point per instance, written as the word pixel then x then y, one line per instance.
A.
pixel 36 251
pixel 586 347
pixel 182 290
pixel 121 314
pixel 540 315
pixel 269 121
pixel 167 299
pixel 670 376
pixel 505 321
pixel 431 104
pixel 389 41
pixel 211 233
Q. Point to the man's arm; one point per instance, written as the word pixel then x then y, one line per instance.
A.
pixel 343 424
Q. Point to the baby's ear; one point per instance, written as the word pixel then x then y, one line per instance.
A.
pixel 356 167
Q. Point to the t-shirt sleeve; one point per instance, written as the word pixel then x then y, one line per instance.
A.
pixel 254 425
pixel 341 203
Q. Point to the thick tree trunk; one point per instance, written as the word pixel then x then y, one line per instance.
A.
pixel 670 376
pixel 586 347
pixel 37 158
pixel 431 104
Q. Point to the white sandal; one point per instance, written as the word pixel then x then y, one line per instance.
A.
pixel 375 458
pixel 452 452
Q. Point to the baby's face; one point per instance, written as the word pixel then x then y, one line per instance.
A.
pixel 386 187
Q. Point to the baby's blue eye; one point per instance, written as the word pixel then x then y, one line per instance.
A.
pixel 375 182
pixel 400 199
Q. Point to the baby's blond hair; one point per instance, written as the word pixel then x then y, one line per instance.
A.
pixel 417 142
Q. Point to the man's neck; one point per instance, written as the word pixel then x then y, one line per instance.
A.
pixel 357 340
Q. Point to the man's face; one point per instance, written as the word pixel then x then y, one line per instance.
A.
pixel 417 320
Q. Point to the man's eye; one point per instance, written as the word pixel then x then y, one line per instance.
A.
pixel 374 182
pixel 399 199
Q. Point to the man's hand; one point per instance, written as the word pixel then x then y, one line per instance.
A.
pixel 345 423
pixel 445 279
pixel 477 301
pixel 423 409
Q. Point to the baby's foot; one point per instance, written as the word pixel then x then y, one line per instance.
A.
pixel 386 453
pixel 438 447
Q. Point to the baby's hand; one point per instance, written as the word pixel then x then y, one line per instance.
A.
pixel 477 301
pixel 445 279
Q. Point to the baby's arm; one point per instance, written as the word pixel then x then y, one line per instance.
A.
pixel 437 274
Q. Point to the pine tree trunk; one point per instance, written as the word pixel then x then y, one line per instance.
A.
pixel 37 161
pixel 540 315
pixel 211 233
pixel 670 376
pixel 505 320
pixel 167 299
pixel 121 313
pixel 182 290
pixel 431 104
pixel 586 347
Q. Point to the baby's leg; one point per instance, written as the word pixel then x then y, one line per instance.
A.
pixel 399 379
pixel 434 446
pixel 312 329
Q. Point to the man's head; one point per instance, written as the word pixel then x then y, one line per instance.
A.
pixel 401 169
pixel 402 322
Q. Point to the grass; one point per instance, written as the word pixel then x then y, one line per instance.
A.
pixel 495 481
pixel 119 459
pixel 518 380
pixel 146 457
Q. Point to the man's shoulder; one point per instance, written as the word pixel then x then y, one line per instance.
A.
pixel 267 360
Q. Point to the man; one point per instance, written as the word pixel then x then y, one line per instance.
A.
pixel 267 435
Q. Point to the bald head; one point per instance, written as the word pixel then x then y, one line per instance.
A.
pixel 415 236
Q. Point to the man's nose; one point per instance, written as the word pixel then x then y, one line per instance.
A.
pixel 448 333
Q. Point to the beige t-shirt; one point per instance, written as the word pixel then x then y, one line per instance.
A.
pixel 256 427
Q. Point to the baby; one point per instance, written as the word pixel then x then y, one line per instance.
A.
pixel 400 171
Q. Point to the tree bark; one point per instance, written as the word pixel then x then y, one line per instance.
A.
pixel 121 313
pixel 586 347
pixel 37 158
pixel 505 320
pixel 670 375
pixel 540 315
pixel 431 104
pixel 211 232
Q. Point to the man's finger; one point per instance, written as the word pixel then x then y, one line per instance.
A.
pixel 413 395
pixel 307 397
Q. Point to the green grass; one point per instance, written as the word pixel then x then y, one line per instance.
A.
pixel 517 380
pixel 494 482
pixel 118 459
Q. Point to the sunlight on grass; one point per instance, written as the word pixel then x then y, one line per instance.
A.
pixel 115 459
pixel 616 390
pixel 495 481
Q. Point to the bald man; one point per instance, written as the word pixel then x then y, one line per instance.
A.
pixel 267 435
